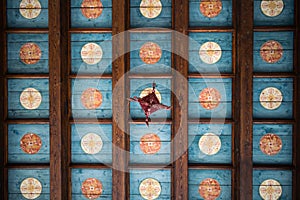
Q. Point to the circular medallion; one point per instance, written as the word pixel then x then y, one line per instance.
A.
pixel 270 189
pixel 270 98
pixel 210 8
pixel 150 53
pixel 271 51
pixel 91 143
pixel 91 9
pixel 209 189
pixel 31 143
pixel 91 188
pixel 209 144
pixel 147 91
pixel 209 98
pixel 271 8
pixel 30 98
pixel 210 52
pixel 30 9
pixel 150 189
pixel 30 53
pixel 270 144
pixel 91 53
pixel 150 143
pixel 150 8
pixel 31 188
pixel 91 98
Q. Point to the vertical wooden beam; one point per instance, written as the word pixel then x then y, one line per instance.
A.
pixel 180 105
pixel 119 138
pixel 243 96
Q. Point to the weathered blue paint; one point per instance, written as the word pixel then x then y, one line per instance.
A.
pixel 196 176
pixel 104 41
pixel 104 86
pixel 15 134
pixel 162 176
pixel 14 44
pixel 285 85
pixel 80 175
pixel 285 64
pixel 284 177
pixel 224 133
pixel 80 21
pixel 224 86
pixel 16 176
pixel 198 19
pixel 224 65
pixel 16 87
pixel 16 20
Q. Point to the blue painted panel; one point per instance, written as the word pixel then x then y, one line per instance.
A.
pixel 284 19
pixel 15 134
pixel 164 19
pixel 16 176
pixel 80 175
pixel 162 176
pixel 285 64
pixel 104 86
pixel 104 131
pixel 284 177
pixel 224 109
pixel 224 65
pixel 139 130
pixel 285 132
pixel 285 85
pixel 195 133
pixel 137 40
pixel 164 88
pixel 104 41
pixel 196 176
pixel 80 21
pixel 14 44
pixel 16 20
pixel 16 87
pixel 198 19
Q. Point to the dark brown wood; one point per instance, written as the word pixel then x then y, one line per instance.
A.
pixel 243 97
pixel 273 75
pixel 273 28
pixel 180 96
pixel 274 121
pixel 120 138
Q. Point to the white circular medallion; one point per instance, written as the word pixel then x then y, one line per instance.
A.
pixel 271 8
pixel 31 98
pixel 91 53
pixel 209 144
pixel 270 98
pixel 91 143
pixel 150 189
pixel 150 8
pixel 210 52
pixel 270 189
pixel 30 9
pixel 31 188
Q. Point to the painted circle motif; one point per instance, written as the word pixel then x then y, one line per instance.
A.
pixel 209 189
pixel 150 53
pixel 31 188
pixel 91 53
pixel 209 98
pixel 31 143
pixel 150 189
pixel 271 8
pixel 270 144
pixel 31 98
pixel 30 53
pixel 91 9
pixel 91 98
pixel 91 143
pixel 150 143
pixel 30 9
pixel 270 189
pixel 271 51
pixel 210 52
pixel 210 8
pixel 147 91
pixel 210 144
pixel 91 188
pixel 150 8
pixel 270 98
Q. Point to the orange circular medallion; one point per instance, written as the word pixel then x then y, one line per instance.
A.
pixel 209 98
pixel 31 188
pixel 91 98
pixel 150 53
pixel 91 9
pixel 91 188
pixel 210 8
pixel 270 144
pixel 209 189
pixel 150 143
pixel 209 144
pixel 150 8
pixel 31 98
pixel 271 8
pixel 31 143
pixel 210 52
pixel 270 189
pixel 30 53
pixel 150 189
pixel 30 9
pixel 271 51
pixel 270 98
